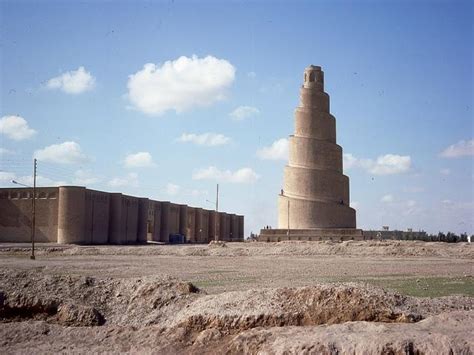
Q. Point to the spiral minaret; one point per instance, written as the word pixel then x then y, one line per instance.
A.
pixel 315 192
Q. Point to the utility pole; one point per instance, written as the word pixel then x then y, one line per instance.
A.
pixel 216 234
pixel 33 213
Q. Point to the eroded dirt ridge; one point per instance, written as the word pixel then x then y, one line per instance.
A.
pixel 43 310
pixel 180 313
pixel 88 301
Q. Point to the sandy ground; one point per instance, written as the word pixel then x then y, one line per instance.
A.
pixel 303 297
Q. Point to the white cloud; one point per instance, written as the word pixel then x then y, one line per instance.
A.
pixel 73 82
pixel 6 178
pixel 459 149
pixel 384 165
pixel 139 160
pixel 243 112
pixel 445 171
pixel 277 151
pixel 387 198
pixel 63 153
pixel 197 193
pixel 252 75
pixel 85 178
pixel 355 204
pixel 40 181
pixel 131 179
pixel 180 85
pixel 208 139
pixel 411 203
pixel 16 128
pixel 4 152
pixel 244 175
pixel 390 164
pixel 349 160
pixel 172 189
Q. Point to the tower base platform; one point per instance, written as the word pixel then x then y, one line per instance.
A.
pixel 334 234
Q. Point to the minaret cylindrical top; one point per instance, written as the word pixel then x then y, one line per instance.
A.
pixel 314 78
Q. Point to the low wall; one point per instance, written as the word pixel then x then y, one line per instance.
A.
pixel 395 235
pixel 334 234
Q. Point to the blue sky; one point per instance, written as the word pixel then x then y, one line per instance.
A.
pixel 76 94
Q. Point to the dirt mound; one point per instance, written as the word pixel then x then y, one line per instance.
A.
pixel 74 300
pixel 232 312
pixel 152 314
pixel 78 316
pixel 448 333
pixel 371 248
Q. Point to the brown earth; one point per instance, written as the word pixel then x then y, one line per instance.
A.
pixel 68 300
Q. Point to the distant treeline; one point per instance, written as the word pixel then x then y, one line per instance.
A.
pixel 423 236
pixel 441 237
pixel 402 235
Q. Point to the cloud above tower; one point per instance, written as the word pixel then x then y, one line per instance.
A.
pixel 180 85
pixel 243 112
pixel 208 139
pixel 388 164
pixel 240 176
pixel 278 150
pixel 72 82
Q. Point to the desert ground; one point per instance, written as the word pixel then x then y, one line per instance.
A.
pixel 370 297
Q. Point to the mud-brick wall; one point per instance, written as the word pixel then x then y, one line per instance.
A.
pixel 190 232
pixel 169 220
pixel 224 227
pixel 202 225
pixel 241 228
pixel 96 221
pixel 123 220
pixel 130 218
pixel 142 219
pixel 71 215
pixel 154 221
pixel 213 225
pixel 183 220
pixel 234 228
pixel 15 214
